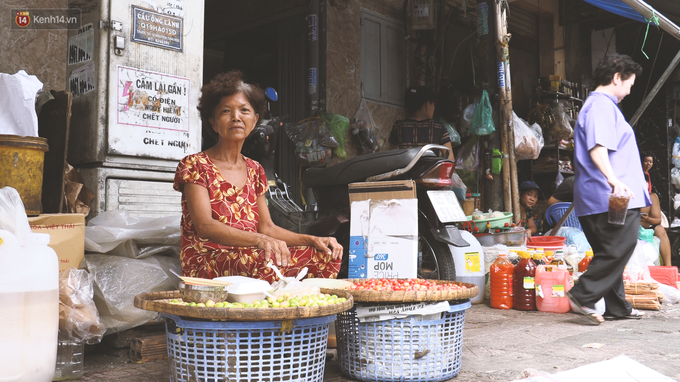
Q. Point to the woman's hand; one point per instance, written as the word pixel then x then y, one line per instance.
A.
pixel 278 248
pixel 619 188
pixel 328 245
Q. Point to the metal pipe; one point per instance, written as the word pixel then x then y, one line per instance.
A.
pixel 669 70
pixel 648 12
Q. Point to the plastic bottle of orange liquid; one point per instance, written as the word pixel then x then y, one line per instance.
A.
pixel 501 276
pixel 523 283
pixel 583 265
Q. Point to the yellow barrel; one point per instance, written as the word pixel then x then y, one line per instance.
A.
pixel 21 167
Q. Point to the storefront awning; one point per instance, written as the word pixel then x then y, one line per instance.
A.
pixel 618 7
pixel 638 10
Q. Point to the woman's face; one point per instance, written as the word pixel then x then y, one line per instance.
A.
pixel 647 164
pixel 622 87
pixel 529 198
pixel 234 117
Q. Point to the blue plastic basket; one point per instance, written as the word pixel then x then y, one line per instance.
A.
pixel 210 351
pixel 402 349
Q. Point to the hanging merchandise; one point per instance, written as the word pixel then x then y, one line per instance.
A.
pixel 466 119
pixel 675 176
pixel 543 115
pixel 676 152
pixel 339 125
pixel 314 141
pixel 496 162
pixel 564 124
pixel 365 130
pixel 453 134
pixel 528 139
pixel 482 121
pixel 468 157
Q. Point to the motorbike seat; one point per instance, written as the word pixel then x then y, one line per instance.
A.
pixel 361 167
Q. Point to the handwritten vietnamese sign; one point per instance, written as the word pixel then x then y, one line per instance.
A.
pixel 153 28
pixel 152 99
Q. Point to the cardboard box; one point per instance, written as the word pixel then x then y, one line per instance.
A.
pixel 67 236
pixel 383 230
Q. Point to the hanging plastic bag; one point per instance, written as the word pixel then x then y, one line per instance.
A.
pixel 676 153
pixel 459 188
pixel 564 124
pixel 453 134
pixel 291 285
pixel 675 176
pixel 482 121
pixel 528 139
pixel 366 132
pixel 13 214
pixel 339 125
pixel 314 141
pixel 468 157
pixel 466 119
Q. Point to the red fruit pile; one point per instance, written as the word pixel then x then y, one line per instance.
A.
pixel 402 285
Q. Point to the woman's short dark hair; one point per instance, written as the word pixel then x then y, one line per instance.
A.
pixel 416 97
pixel 224 85
pixel 644 155
pixel 615 63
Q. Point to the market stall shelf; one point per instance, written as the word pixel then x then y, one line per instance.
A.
pixel 470 291
pixel 160 302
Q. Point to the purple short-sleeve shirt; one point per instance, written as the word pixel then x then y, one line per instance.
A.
pixel 600 122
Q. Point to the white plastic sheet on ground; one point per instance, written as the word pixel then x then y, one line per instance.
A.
pixel 17 104
pixel 619 369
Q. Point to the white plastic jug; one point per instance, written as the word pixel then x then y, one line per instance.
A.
pixel 470 264
pixel 29 319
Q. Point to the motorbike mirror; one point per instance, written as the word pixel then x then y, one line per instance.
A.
pixel 271 94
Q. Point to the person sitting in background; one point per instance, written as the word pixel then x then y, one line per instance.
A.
pixel 527 200
pixel 563 193
pixel 419 129
pixel 650 218
pixel 647 163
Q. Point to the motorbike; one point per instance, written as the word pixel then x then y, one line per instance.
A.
pixel 329 216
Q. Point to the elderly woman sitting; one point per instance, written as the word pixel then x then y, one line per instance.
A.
pixel 226 226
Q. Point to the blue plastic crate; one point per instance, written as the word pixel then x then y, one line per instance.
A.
pixel 402 349
pixel 212 351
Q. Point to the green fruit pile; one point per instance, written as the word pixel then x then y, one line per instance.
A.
pixel 285 301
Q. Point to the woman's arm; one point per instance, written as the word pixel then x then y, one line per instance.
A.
pixel 654 216
pixel 531 226
pixel 198 203
pixel 600 156
pixel 267 227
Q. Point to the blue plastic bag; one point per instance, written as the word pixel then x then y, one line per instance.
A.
pixel 574 237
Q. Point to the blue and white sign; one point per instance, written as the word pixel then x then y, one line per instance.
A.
pixel 156 29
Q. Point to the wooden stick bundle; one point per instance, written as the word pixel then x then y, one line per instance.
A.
pixel 643 295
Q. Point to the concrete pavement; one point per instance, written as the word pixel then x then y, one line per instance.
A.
pixel 498 345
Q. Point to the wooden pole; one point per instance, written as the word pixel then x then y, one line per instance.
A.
pixel 510 186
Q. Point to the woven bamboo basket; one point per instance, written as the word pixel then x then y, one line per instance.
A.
pixel 409 296
pixel 160 302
